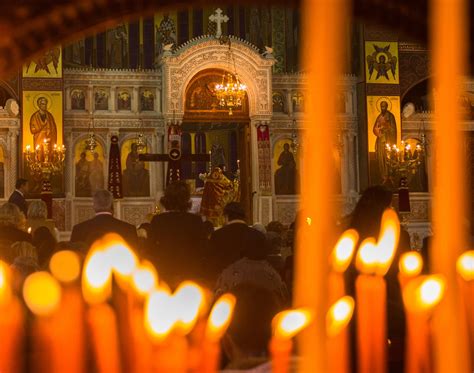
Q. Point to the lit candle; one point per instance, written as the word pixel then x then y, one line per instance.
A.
pixel 420 296
pixel 66 268
pixel 42 295
pixel 11 325
pixel 286 325
pixel 101 319
pixel 337 319
pixel 340 259
pixel 410 266
pixel 217 324
pixel 449 25
pixel 373 261
pixel 465 269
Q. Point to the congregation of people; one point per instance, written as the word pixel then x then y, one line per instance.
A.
pixel 255 262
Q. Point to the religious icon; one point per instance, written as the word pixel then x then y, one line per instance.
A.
pixel 381 62
pixel 124 100
pixel 147 100
pixel 165 33
pixel 117 47
pixel 89 169
pixel 286 174
pixel 101 99
pixel 42 124
pixel 383 129
pixel 136 176
pixel 78 99
pixel 297 100
pixel 278 102
pixel 48 65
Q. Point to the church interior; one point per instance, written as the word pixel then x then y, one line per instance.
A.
pixel 131 96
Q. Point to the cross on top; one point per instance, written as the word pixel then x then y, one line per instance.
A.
pixel 219 19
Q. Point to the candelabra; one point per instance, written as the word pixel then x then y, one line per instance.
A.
pixel 91 142
pixel 403 161
pixel 43 162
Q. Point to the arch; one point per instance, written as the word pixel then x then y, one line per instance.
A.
pixel 208 53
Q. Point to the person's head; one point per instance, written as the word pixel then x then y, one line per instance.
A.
pixel 250 330
pixel 103 201
pixel 177 197
pixel 273 243
pixel 37 210
pixel 42 103
pixel 24 249
pixel 96 155
pixel 234 211
pixel 259 227
pixel 254 245
pixel 10 215
pixel 275 226
pixel 383 106
pixel 369 210
pixel 286 147
pixel 83 155
pixel 45 243
pixel 22 185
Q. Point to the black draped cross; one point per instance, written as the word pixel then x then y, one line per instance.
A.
pixel 174 159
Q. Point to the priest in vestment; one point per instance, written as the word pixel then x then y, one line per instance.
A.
pixel 218 192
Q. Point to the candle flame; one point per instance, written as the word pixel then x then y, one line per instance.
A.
pixel 339 315
pixel 220 317
pixel 5 290
pixel 309 221
pixel 145 278
pixel 344 250
pixel 42 293
pixel 189 301
pixel 388 240
pixel 287 324
pixel 122 258
pixel 96 276
pixel 424 293
pixel 367 259
pixel 65 265
pixel 465 265
pixel 160 316
pixel 411 264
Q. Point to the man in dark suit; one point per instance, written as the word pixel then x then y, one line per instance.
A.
pixel 18 196
pixel 103 223
pixel 178 237
pixel 226 245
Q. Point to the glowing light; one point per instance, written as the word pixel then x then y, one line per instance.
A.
pixel 388 240
pixel 367 258
pixel 96 277
pixel 431 291
pixel 145 278
pixel 423 293
pixel 344 250
pixel 65 266
pixel 287 324
pixel 42 293
pixel 465 265
pixel 309 220
pixel 5 290
pixel 188 300
pixel 339 315
pixel 160 316
pixel 220 317
pixel 123 259
pixel 411 264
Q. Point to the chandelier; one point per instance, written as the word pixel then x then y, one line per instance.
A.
pixel 405 160
pixel 45 160
pixel 231 92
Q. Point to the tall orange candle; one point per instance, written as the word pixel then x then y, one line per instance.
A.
pixel 217 324
pixel 337 319
pixel 42 295
pixel 323 24
pixel 286 325
pixel 11 325
pixel 373 261
pixel 420 296
pixel 101 318
pixel 465 268
pixel 449 45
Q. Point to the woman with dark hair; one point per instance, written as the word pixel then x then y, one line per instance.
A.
pixel 177 236
pixel 45 244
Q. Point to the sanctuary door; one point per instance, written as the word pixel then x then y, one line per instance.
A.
pixel 208 127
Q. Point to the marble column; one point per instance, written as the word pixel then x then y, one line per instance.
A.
pixel 14 166
pixel 69 164
pixel 254 192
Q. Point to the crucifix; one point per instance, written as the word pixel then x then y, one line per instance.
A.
pixel 219 19
pixel 174 157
